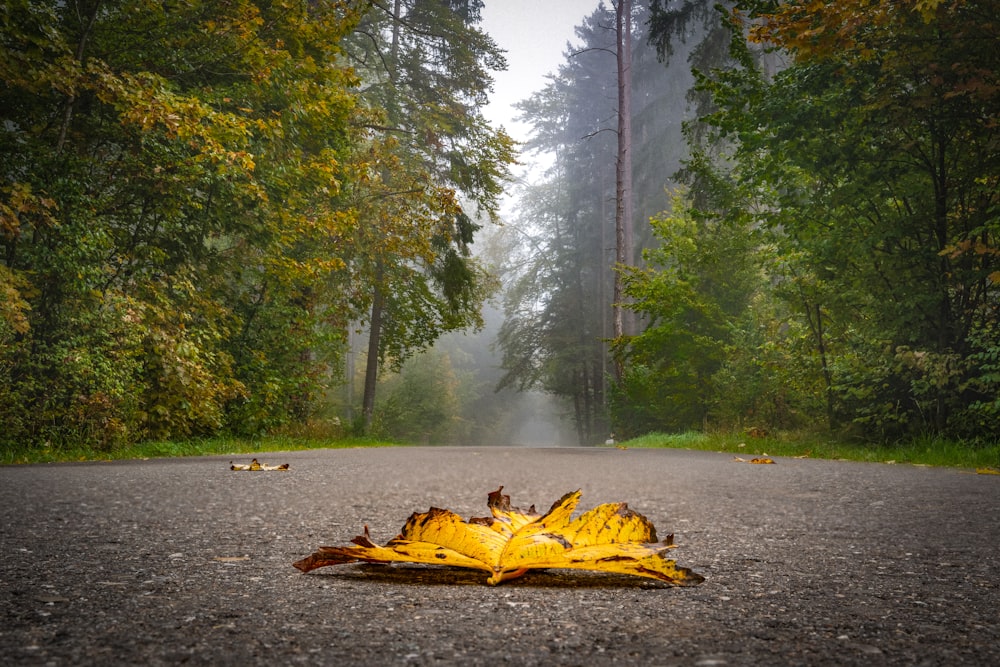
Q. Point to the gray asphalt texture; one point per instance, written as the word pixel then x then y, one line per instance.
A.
pixel 181 561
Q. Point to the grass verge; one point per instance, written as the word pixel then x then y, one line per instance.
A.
pixel 196 447
pixel 926 451
pixel 921 451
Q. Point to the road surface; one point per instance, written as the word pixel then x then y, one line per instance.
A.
pixel 807 562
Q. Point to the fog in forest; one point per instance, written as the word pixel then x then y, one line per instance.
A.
pixel 557 234
pixel 315 225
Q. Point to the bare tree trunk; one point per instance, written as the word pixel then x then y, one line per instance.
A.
pixel 371 364
pixel 817 328
pixel 349 374
pixel 578 416
pixel 623 175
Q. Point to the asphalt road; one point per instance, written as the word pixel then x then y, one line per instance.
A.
pixel 182 561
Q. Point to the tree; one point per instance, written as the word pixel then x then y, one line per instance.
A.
pixel 558 301
pixel 422 402
pixel 624 236
pixel 196 200
pixel 561 303
pixel 427 66
pixel 151 190
pixel 868 159
pixel 694 291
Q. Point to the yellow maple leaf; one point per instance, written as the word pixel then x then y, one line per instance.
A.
pixel 763 460
pixel 255 466
pixel 608 538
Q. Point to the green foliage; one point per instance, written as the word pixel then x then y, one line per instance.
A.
pixel 421 403
pixel 146 146
pixel 863 164
pixel 806 444
pixel 694 290
pixel 770 374
pixel 187 374
pixel 78 386
pixel 981 415
pixel 186 218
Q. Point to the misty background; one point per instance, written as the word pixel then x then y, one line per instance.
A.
pixel 459 392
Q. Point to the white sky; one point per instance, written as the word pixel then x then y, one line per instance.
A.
pixel 534 33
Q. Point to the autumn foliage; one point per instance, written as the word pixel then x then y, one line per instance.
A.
pixel 196 199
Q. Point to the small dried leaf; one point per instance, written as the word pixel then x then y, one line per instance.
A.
pixel 609 538
pixel 763 460
pixel 254 465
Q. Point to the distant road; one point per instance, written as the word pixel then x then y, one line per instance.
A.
pixel 806 562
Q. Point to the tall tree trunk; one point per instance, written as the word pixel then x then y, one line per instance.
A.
pixel 371 364
pixel 831 414
pixel 349 369
pixel 816 325
pixel 623 174
pixel 378 297
pixel 578 416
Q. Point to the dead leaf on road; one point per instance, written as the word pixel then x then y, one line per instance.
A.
pixel 608 538
pixel 760 460
pixel 255 465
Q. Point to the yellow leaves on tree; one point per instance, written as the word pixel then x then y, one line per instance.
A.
pixel 817 29
pixel 608 538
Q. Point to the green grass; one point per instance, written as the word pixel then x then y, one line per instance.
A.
pixel 196 447
pixel 926 451
pixel 921 451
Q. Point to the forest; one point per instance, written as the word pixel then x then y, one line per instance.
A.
pixel 241 216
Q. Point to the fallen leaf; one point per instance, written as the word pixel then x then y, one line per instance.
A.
pixel 255 465
pixel 759 459
pixel 987 471
pixel 510 542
